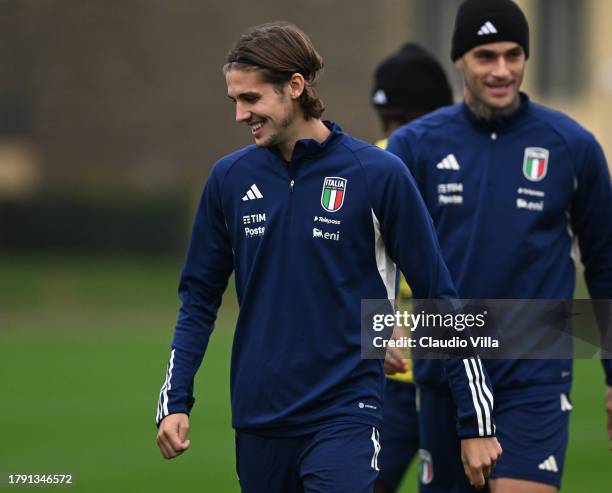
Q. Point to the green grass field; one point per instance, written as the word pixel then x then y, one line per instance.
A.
pixel 83 348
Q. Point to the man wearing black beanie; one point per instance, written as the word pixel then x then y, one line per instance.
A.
pixel 505 180
pixel 488 21
pixel 408 84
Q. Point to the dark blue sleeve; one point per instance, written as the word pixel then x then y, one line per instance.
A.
pixel 410 240
pixel 407 229
pixel 591 215
pixel 204 278
pixel 400 144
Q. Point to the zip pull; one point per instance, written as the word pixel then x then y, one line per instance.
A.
pixel 291 184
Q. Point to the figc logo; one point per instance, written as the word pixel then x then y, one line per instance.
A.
pixel 334 191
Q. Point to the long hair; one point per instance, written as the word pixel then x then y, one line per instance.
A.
pixel 277 51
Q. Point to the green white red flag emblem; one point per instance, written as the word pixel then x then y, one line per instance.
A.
pixel 535 163
pixel 426 473
pixel 334 191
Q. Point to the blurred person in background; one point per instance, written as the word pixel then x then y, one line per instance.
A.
pixel 508 184
pixel 311 221
pixel 407 85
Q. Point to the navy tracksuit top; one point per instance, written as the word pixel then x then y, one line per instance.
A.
pixel 308 240
pixel 507 198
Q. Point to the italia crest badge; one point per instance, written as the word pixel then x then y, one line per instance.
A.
pixel 426 473
pixel 535 163
pixel 333 193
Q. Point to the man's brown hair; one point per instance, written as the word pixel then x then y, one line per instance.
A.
pixel 277 51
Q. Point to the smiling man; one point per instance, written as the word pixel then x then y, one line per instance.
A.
pixel 509 184
pixel 312 221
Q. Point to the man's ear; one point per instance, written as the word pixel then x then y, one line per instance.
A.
pixel 460 64
pixel 296 85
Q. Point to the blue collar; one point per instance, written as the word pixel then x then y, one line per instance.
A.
pixel 499 123
pixel 309 148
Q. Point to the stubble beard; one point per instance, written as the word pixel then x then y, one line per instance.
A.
pixel 480 108
pixel 279 136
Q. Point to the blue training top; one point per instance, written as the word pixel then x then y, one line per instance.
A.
pixel 308 240
pixel 507 197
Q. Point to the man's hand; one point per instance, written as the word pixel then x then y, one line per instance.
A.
pixel 608 402
pixel 395 358
pixel 479 456
pixel 395 361
pixel 172 435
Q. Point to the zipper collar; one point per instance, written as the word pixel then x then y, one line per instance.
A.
pixel 498 123
pixel 310 148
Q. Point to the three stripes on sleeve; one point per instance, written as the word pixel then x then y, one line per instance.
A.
pixel 482 397
pixel 162 403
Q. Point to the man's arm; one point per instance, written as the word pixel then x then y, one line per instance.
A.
pixel 410 240
pixel 590 212
pixel 203 280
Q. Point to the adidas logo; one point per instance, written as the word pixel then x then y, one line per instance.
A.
pixel 566 405
pixel 487 28
pixel 253 193
pixel 449 162
pixel 379 97
pixel 549 464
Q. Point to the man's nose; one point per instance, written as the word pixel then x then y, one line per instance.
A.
pixel 501 68
pixel 242 114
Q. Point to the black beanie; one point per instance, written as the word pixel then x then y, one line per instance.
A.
pixel 480 22
pixel 412 80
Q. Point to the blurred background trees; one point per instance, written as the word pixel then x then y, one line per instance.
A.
pixel 107 108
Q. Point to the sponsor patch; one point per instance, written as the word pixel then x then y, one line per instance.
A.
pixel 253 232
pixel 529 204
pixel 531 192
pixel 325 235
pixel 254 218
pixel 450 199
pixel 327 220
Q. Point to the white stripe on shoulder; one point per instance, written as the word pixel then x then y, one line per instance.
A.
pixel 386 267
